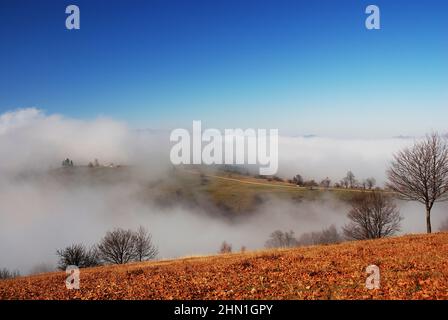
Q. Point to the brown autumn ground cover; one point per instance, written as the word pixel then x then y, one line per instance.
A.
pixel 412 267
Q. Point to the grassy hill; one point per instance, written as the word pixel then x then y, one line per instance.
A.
pixel 216 191
pixel 236 193
pixel 412 267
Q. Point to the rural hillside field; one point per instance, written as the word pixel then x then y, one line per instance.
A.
pixel 411 267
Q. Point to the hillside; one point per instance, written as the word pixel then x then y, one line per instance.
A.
pixel 217 191
pixel 234 193
pixel 412 267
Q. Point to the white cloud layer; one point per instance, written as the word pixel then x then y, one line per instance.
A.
pixel 39 215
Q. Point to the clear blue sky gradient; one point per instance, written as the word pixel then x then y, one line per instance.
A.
pixel 306 67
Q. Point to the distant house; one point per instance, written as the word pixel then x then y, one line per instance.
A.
pixel 67 163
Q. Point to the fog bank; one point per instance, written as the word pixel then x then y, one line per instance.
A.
pixel 41 212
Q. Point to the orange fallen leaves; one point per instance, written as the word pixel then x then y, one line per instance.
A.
pixel 412 267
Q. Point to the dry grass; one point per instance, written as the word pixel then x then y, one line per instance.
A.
pixel 412 267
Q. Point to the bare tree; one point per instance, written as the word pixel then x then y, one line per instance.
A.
pixel 144 248
pixel 118 246
pixel 298 180
pixel 325 183
pixel 350 179
pixel 420 173
pixel 67 163
pixel 225 248
pixel 310 184
pixel 6 274
pixel 330 235
pixel 308 239
pixel 280 239
pixel 326 236
pixel 370 182
pixel 92 257
pixel 71 255
pixel 364 184
pixel 373 215
pixel 78 255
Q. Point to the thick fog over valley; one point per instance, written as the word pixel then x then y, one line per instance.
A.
pixel 44 207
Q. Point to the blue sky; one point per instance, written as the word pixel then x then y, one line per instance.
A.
pixel 305 67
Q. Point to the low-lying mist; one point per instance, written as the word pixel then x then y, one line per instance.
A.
pixel 44 208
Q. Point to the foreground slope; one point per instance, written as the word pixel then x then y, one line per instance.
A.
pixel 412 267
